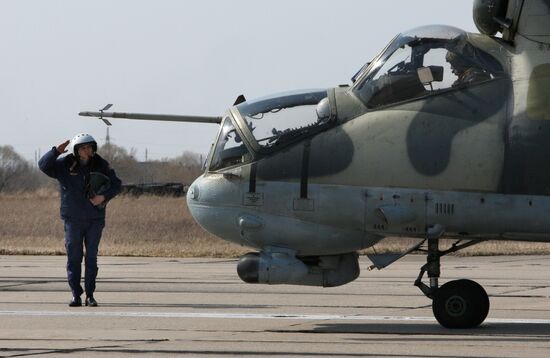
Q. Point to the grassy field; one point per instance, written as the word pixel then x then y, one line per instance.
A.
pixel 144 226
pixel 155 226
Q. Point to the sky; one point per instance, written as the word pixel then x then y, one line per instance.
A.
pixel 58 58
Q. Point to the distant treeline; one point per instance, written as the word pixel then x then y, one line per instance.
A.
pixel 20 175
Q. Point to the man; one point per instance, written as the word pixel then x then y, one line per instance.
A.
pixel 465 71
pixel 86 183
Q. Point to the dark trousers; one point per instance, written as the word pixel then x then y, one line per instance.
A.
pixel 80 235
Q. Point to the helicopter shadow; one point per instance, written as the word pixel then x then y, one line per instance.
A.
pixel 492 331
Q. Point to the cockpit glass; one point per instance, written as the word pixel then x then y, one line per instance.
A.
pixel 422 62
pixel 280 119
pixel 229 149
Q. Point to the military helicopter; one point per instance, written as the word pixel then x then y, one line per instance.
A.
pixel 444 134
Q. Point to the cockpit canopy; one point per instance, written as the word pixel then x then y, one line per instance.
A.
pixel 268 124
pixel 418 63
pixel 279 119
pixel 422 62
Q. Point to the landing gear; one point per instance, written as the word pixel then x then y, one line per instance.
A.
pixel 456 304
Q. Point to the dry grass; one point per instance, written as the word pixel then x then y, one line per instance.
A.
pixel 144 226
pixel 485 248
pixel 155 226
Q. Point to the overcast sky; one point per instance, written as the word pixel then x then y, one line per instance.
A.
pixel 181 57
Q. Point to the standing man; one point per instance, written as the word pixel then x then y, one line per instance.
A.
pixel 86 183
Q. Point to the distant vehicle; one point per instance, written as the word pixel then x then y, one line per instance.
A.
pixel 444 134
pixel 159 189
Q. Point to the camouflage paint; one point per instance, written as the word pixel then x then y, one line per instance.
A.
pixel 430 138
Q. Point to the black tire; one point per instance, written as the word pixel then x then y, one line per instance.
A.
pixel 460 304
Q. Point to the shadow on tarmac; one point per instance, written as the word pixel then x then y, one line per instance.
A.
pixel 498 330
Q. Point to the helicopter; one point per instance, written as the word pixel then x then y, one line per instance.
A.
pixel 444 134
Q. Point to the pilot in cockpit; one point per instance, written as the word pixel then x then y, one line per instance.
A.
pixel 466 71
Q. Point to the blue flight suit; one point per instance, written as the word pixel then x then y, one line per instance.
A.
pixel 83 221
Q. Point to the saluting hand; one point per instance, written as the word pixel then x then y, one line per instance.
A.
pixel 62 147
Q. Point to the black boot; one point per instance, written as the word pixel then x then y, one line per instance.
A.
pixel 90 301
pixel 75 302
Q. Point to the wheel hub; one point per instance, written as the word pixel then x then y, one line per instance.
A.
pixel 456 306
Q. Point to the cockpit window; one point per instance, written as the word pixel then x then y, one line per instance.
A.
pixel 280 119
pixel 229 149
pixel 415 66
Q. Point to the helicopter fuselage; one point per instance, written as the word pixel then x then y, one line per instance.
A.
pixel 459 161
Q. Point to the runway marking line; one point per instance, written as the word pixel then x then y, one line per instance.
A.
pixel 317 317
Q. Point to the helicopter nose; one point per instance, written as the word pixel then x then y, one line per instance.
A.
pixel 211 200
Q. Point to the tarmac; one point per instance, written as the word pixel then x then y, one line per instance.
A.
pixel 199 307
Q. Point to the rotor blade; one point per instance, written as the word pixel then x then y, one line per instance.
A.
pixel 153 117
pixel 107 107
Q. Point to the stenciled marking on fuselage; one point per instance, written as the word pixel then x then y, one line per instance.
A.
pixel 288 316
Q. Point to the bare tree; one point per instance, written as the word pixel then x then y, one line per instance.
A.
pixel 14 170
pixel 122 161
pixel 188 160
pixel 116 154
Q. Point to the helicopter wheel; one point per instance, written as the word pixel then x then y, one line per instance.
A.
pixel 460 304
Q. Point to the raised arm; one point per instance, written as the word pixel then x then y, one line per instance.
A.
pixel 47 163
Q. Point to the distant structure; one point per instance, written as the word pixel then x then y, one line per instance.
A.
pixel 107 137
